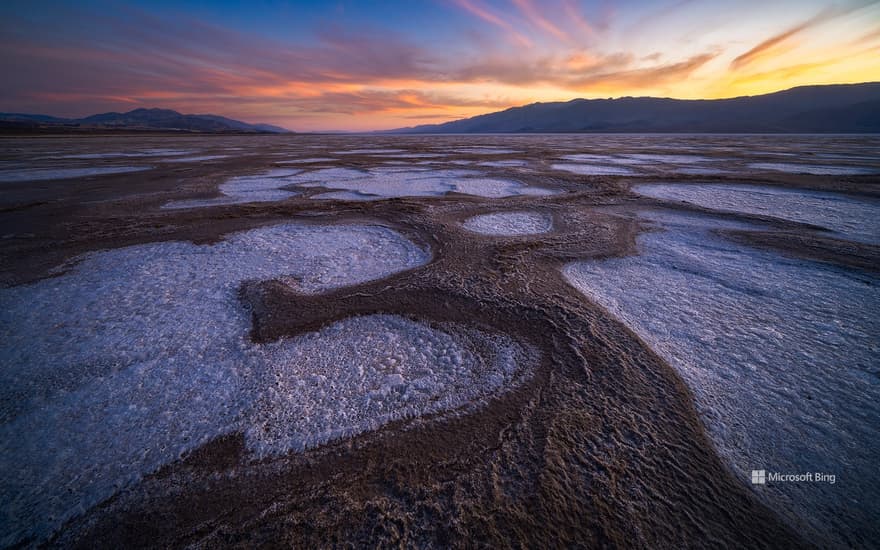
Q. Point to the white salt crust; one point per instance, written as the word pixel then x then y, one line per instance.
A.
pixel 602 160
pixel 851 218
pixel 594 169
pixel 667 159
pixel 266 187
pixel 139 354
pixel 795 168
pixel 510 163
pixel 485 150
pixel 700 171
pixel 411 155
pixel 201 158
pixel 781 355
pixel 509 223
pixel 602 164
pixel 350 184
pixel 307 160
pixel 367 151
pixel 359 374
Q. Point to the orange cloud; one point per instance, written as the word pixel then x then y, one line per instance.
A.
pixel 767 46
pixel 579 61
pixel 770 46
pixel 644 77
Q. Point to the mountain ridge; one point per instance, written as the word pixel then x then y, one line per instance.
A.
pixel 833 108
pixel 142 119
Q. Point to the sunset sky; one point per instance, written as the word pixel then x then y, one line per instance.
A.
pixel 376 65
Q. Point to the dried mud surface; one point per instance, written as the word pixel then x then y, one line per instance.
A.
pixel 600 447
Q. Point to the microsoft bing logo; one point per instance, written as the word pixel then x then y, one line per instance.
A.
pixel 759 477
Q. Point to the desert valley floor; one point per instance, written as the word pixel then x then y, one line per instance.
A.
pixel 434 341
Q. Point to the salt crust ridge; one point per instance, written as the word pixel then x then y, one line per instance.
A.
pixel 852 218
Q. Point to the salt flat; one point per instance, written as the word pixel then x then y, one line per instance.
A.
pixel 317 330
pixel 853 218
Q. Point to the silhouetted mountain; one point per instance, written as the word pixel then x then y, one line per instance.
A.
pixel 138 119
pixel 23 118
pixel 843 108
pixel 243 126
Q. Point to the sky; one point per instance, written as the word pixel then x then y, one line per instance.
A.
pixel 357 65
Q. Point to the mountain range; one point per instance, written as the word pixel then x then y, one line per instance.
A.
pixel 838 108
pixel 138 119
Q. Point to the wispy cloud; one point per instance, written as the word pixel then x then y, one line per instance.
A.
pixel 645 76
pixel 477 9
pixel 536 18
pixel 867 38
pixel 773 42
pixel 574 15
pixel 769 47
pixel 582 71
pixel 810 68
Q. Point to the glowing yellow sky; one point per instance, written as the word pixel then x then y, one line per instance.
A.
pixel 823 46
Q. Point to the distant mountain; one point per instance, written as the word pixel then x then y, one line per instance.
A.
pixel 843 108
pixel 243 126
pixel 138 119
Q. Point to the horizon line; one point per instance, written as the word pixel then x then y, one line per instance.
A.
pixel 380 130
